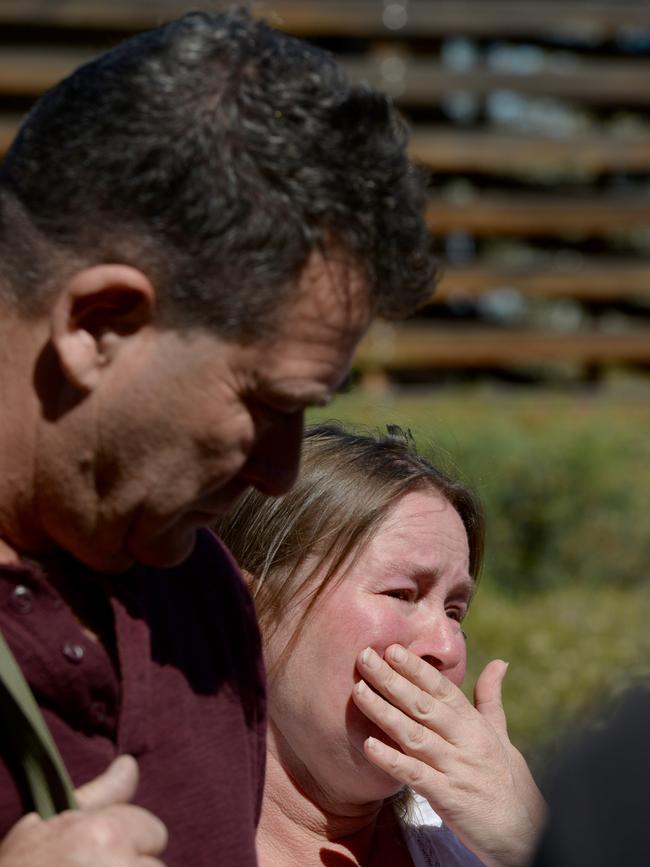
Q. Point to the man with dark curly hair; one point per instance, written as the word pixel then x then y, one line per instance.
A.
pixel 195 231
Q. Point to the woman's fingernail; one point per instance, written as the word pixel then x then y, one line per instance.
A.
pixel 369 658
pixel 398 653
pixel 360 687
pixel 374 745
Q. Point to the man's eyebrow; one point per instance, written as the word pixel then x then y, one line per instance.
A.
pixel 295 395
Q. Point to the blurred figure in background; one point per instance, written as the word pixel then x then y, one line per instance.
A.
pixel 599 796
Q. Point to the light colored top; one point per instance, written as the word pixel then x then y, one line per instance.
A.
pixel 430 843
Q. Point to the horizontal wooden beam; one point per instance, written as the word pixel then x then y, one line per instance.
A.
pixel 419 346
pixel 8 128
pixel 550 215
pixel 583 18
pixel 472 18
pixel 420 83
pixel 28 71
pixel 501 152
pixel 588 279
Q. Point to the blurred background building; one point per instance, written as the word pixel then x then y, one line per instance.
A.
pixel 533 120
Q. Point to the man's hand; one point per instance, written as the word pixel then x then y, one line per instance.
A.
pixel 457 755
pixel 107 831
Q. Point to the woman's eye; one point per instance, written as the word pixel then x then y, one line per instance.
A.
pixel 404 594
pixel 456 614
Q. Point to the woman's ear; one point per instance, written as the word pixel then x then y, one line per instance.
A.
pixel 96 312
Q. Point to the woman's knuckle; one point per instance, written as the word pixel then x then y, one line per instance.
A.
pixel 424 704
pixel 415 736
pixel 394 762
pixel 389 678
pixel 416 774
pixel 445 689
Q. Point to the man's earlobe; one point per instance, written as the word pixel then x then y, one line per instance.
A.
pixel 96 312
pixel 249 579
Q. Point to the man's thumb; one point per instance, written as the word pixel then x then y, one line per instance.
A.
pixel 116 785
pixel 487 694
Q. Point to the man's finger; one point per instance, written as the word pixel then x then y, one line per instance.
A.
pixel 487 695
pixel 117 785
pixel 143 831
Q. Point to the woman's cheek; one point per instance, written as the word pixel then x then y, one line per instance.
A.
pixel 389 627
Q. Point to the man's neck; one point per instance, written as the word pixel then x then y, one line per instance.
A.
pixel 295 829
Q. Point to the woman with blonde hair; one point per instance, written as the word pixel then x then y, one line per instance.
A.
pixel 362 576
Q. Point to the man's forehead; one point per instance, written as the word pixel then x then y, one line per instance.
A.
pixel 331 286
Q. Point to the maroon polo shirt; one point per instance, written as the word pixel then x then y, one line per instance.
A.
pixel 175 680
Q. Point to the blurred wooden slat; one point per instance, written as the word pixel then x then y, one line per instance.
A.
pixel 590 280
pixel 8 129
pixel 126 15
pixel 463 18
pixel 411 346
pixel 535 215
pixel 27 70
pixel 445 149
pixel 417 82
pixel 30 70
pixel 363 18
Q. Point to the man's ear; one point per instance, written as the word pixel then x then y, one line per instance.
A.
pixel 248 578
pixel 98 309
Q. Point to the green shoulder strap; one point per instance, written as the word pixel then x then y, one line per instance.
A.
pixel 35 751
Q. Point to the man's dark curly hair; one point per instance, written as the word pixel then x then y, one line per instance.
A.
pixel 214 153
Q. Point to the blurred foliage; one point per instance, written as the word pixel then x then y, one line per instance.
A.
pixel 570 650
pixel 565 480
pixel 565 592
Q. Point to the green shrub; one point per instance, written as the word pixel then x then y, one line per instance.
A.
pixel 566 484
pixel 570 650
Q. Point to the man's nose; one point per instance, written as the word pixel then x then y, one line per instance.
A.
pixel 273 464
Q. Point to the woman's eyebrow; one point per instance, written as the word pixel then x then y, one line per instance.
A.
pixel 428 576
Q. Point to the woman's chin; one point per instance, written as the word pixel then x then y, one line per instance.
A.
pixel 370 782
pixel 375 788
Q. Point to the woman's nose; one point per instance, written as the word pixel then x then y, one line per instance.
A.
pixel 441 643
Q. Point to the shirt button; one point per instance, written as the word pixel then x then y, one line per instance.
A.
pixel 21 600
pixel 99 712
pixel 73 652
